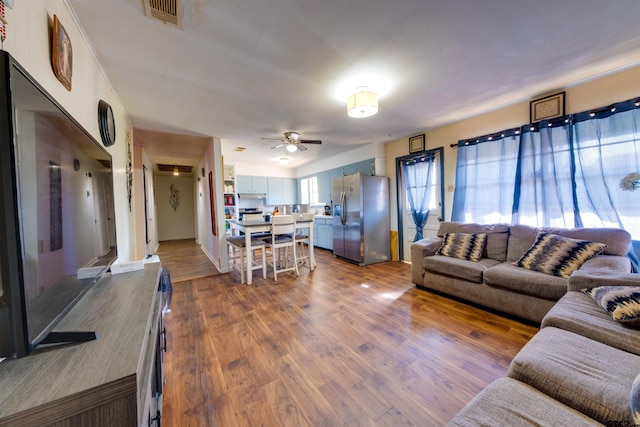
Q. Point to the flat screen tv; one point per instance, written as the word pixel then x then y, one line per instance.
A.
pixel 57 214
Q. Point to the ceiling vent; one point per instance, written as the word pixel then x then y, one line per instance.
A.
pixel 170 168
pixel 167 11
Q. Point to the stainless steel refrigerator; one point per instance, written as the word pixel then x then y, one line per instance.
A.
pixel 361 218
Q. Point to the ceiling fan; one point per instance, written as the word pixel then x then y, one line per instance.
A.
pixel 292 142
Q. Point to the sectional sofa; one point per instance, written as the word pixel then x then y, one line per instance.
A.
pixel 583 367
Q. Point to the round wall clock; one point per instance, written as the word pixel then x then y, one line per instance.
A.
pixel 106 123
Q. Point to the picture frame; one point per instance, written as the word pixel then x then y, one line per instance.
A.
pixel 61 54
pixel 55 206
pixel 212 201
pixel 549 107
pixel 416 143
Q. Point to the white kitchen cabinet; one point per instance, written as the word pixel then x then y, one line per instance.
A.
pixel 323 232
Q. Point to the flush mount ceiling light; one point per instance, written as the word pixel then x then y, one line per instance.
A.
pixel 284 161
pixel 363 103
pixel 292 148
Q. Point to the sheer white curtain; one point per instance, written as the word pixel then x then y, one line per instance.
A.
pixel 485 178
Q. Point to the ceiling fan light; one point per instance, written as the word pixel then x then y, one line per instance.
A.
pixel 176 172
pixel 292 135
pixel 363 103
pixel 291 148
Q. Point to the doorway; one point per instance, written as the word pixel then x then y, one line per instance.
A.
pixel 406 225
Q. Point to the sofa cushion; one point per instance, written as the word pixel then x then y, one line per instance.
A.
pixel 622 302
pixel 507 402
pixel 460 268
pixel 579 313
pixel 523 236
pixel 579 372
pixel 523 281
pixel 635 400
pixel 497 236
pixel 463 246
pixel 557 255
pixel 589 277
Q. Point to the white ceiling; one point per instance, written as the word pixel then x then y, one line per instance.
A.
pixel 240 70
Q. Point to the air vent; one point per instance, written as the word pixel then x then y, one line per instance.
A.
pixel 169 168
pixel 168 11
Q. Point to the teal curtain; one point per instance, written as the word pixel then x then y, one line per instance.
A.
pixel 418 180
pixel 581 170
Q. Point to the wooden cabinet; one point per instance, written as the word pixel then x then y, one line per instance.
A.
pixel 323 232
pixel 115 380
pixel 289 191
pixel 275 191
pixel 279 191
pixel 251 184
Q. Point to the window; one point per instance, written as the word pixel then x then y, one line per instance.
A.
pixel 567 173
pixel 309 190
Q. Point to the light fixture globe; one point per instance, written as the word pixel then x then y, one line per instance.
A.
pixel 363 103
pixel 291 148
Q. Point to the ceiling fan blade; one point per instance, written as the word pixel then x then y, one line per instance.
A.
pixel 310 141
pixel 273 139
pixel 278 146
pixel 301 147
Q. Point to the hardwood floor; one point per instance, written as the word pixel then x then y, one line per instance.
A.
pixel 185 260
pixel 341 346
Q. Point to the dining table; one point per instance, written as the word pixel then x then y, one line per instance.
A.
pixel 251 227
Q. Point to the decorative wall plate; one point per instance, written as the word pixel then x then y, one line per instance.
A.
pixel 106 123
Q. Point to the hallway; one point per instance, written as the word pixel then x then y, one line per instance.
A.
pixel 185 260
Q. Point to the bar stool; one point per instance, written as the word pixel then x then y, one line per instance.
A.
pixel 255 217
pixel 237 255
pixel 282 238
pixel 302 239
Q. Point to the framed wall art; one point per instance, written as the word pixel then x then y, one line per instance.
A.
pixel 61 54
pixel 549 107
pixel 55 206
pixel 416 143
pixel 212 200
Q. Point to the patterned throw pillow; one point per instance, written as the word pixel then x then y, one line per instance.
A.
pixel 557 255
pixel 463 246
pixel 622 302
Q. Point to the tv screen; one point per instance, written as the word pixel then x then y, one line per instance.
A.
pixel 58 216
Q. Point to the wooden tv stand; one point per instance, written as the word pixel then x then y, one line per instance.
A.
pixel 114 380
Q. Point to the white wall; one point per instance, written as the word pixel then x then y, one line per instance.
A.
pixel 179 223
pixel 28 28
pixel 214 246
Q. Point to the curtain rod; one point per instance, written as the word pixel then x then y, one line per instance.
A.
pixel 602 111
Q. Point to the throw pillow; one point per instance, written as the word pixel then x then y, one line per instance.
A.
pixel 635 400
pixel 557 255
pixel 463 246
pixel 622 302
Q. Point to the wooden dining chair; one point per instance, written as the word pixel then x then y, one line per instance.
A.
pixel 252 217
pixel 281 240
pixel 302 240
